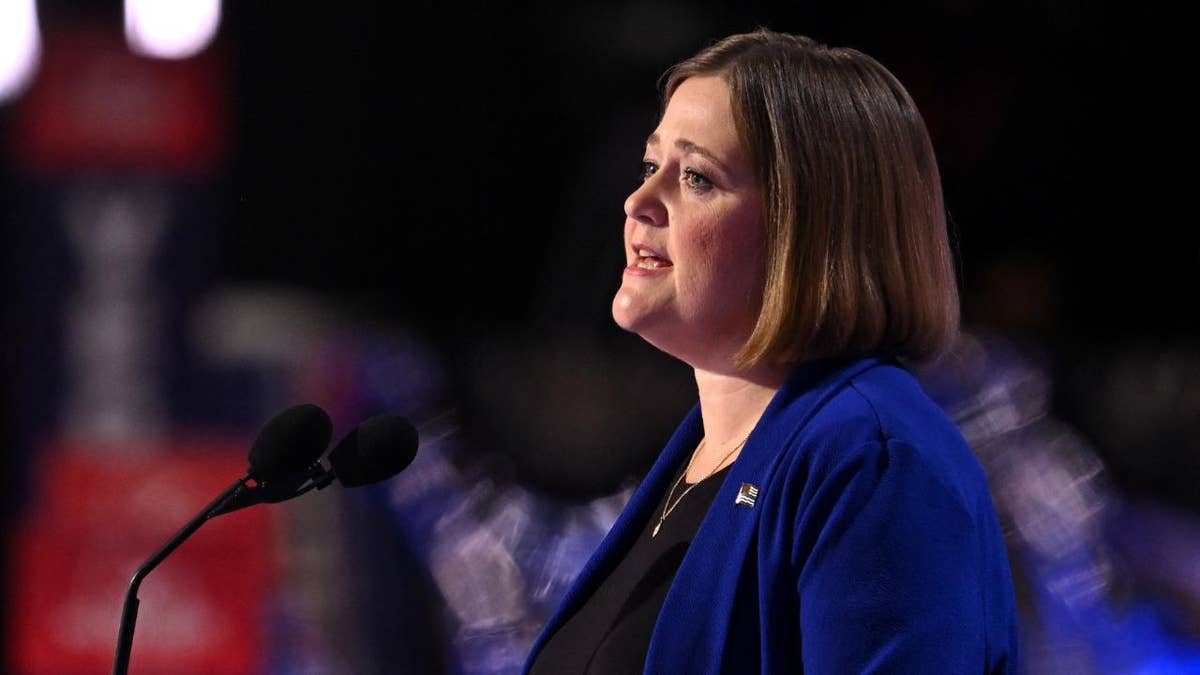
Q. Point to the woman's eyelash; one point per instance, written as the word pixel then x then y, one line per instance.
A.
pixel 693 178
pixel 648 169
pixel 696 180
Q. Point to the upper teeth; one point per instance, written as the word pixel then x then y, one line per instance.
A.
pixel 648 259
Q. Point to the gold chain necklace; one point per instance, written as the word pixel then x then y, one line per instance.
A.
pixel 668 507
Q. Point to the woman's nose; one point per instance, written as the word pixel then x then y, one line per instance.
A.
pixel 645 204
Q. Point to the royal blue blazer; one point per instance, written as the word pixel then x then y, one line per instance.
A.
pixel 868 544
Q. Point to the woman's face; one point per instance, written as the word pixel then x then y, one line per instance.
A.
pixel 693 233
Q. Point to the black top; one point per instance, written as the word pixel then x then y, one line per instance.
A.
pixel 610 633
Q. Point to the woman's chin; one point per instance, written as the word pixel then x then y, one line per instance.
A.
pixel 625 311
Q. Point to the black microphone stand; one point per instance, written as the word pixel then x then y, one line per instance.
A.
pixel 130 610
pixel 236 496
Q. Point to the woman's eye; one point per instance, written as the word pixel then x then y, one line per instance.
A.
pixel 648 169
pixel 696 180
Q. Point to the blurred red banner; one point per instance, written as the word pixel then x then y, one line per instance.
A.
pixel 100 512
pixel 96 105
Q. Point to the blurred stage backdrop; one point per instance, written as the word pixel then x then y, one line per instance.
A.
pixel 211 211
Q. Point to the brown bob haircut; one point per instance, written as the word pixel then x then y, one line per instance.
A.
pixel 857 253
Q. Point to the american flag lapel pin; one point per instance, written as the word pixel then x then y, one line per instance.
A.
pixel 747 493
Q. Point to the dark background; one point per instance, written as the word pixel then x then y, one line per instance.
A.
pixel 433 145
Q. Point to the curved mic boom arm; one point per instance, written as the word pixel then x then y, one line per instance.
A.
pixel 130 609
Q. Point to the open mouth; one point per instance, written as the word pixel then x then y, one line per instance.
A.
pixel 649 259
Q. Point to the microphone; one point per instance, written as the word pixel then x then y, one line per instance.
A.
pixel 285 462
pixel 290 442
pixel 287 444
pixel 373 451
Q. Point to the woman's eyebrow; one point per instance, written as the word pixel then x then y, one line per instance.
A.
pixel 690 148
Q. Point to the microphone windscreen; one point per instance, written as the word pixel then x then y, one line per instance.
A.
pixel 290 442
pixel 375 450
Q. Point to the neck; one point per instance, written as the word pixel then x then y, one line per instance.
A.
pixel 731 405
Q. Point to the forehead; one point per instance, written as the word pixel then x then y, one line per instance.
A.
pixel 700 112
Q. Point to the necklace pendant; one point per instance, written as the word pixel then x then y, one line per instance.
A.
pixel 654 533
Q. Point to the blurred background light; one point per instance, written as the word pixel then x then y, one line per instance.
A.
pixel 20 46
pixel 171 29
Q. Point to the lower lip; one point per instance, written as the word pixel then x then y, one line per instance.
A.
pixel 635 271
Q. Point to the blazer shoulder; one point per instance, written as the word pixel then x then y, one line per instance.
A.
pixel 882 409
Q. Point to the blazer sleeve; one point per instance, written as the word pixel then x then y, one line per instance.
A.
pixel 890 566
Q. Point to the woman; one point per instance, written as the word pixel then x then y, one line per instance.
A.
pixel 815 511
